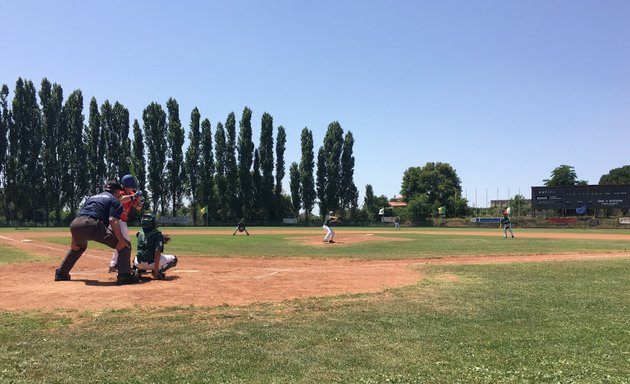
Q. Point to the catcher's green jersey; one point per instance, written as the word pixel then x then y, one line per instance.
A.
pixel 148 243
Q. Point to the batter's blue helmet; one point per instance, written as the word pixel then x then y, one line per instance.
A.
pixel 128 181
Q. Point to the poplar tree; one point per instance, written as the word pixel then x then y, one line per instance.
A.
pixel 109 141
pixel 51 100
pixel 175 156
pixel 281 140
pixel 231 169
pixel 245 155
pixel 155 132
pixel 321 181
pixel 121 153
pixel 193 162
pixel 348 192
pixel 306 169
pixel 24 167
pixel 5 119
pixel 333 146
pixel 294 185
pixel 95 150
pixel 265 150
pixel 138 162
pixel 221 182
pixel 257 212
pixel 207 171
pixel 75 181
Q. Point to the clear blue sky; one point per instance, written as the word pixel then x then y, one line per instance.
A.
pixel 504 91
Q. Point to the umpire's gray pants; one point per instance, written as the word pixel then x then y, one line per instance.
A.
pixel 85 228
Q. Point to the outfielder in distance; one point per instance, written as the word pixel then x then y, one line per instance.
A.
pixel 129 199
pixel 329 220
pixel 99 220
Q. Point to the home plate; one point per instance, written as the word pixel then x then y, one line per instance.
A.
pixel 27 241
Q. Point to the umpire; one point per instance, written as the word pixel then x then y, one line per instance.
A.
pixel 99 212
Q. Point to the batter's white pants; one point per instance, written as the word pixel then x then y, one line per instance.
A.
pixel 125 233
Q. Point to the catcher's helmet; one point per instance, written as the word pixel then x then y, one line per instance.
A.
pixel 128 181
pixel 148 221
pixel 112 186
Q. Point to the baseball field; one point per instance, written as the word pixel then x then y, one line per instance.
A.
pixel 280 306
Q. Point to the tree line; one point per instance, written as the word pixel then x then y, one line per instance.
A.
pixel 51 159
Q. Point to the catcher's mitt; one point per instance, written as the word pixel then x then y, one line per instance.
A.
pixel 167 238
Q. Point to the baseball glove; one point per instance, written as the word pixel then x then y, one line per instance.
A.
pixel 167 238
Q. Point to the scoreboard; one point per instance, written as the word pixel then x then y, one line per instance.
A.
pixel 578 196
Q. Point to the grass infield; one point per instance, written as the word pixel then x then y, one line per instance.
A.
pixel 551 322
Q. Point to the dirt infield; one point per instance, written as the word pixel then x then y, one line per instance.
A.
pixel 217 281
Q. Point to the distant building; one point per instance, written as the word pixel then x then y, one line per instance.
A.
pixel 506 203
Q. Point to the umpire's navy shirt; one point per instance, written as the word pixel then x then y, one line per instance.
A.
pixel 102 207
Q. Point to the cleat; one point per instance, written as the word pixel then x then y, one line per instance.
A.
pixel 112 269
pixel 61 276
pixel 330 241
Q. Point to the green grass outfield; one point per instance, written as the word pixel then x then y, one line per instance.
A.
pixel 548 322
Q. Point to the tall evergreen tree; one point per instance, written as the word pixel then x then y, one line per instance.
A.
pixel 231 169
pixel 333 146
pixel 207 171
pixel 108 147
pixel 51 100
pixel 175 163
pixel 281 141
pixel 322 179
pixel 24 168
pixel 265 152
pixel 256 211
pixel 75 184
pixel 95 150
pixel 348 192
pixel 306 170
pixel 294 185
pixel 223 209
pixel 5 120
pixel 245 155
pixel 155 132
pixel 138 162
pixel 193 162
pixel 120 116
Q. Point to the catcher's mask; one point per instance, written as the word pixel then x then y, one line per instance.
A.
pixel 148 222
pixel 128 181
pixel 112 186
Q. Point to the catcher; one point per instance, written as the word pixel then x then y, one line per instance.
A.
pixel 329 220
pixel 150 247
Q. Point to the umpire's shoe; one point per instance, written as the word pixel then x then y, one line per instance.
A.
pixel 61 276
pixel 126 278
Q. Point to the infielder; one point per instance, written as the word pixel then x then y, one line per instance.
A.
pixel 130 199
pixel 506 224
pixel 99 220
pixel 329 220
pixel 241 228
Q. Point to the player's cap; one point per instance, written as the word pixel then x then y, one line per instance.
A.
pixel 330 213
